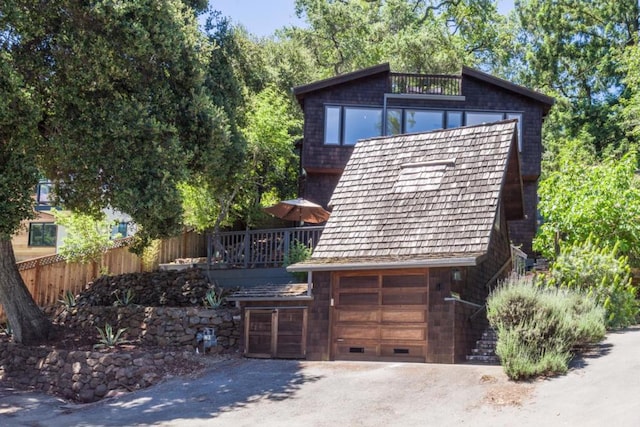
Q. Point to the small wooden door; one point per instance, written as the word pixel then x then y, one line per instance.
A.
pixel 276 333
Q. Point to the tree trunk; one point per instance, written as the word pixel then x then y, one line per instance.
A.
pixel 28 323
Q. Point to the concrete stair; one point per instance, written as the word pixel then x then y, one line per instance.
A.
pixel 485 351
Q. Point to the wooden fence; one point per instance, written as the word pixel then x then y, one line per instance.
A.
pixel 48 278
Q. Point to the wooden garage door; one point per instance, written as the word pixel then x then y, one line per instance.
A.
pixel 277 332
pixel 380 317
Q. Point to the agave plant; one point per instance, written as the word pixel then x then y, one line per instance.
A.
pixel 109 338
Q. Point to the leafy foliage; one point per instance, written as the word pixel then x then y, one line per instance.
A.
pixel 298 252
pixel 602 275
pixel 414 36
pixel 537 326
pixel 87 238
pixel 581 197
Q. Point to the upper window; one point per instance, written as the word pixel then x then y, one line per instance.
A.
pixel 332 122
pixel 484 117
pixel 519 117
pixel 42 234
pixel 423 120
pixel 43 196
pixel 346 125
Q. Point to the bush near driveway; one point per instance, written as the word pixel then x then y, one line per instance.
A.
pixel 602 274
pixel 537 326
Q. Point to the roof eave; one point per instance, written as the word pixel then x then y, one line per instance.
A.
pixel 540 97
pixel 387 265
pixel 301 91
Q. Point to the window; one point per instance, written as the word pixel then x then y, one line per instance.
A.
pixel 360 123
pixel 422 120
pixel 43 196
pixel 120 230
pixel 519 117
pixel 346 125
pixel 332 125
pixel 42 234
pixel 394 121
pixel 480 118
pixel 454 119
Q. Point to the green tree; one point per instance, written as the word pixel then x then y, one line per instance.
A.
pixel 87 237
pixel 120 115
pixel 414 36
pixel 581 197
pixel 571 50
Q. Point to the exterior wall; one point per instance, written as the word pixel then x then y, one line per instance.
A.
pixel 319 322
pixel 331 159
pixel 20 240
pixel 324 163
pixel 473 288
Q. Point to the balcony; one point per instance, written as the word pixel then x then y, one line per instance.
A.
pixel 425 84
pixel 259 248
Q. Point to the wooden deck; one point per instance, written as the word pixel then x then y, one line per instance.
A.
pixel 259 248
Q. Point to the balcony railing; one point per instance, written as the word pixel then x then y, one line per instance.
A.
pixel 425 84
pixel 260 248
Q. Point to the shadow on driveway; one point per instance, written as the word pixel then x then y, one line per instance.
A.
pixel 229 386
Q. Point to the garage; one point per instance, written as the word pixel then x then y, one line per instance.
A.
pixel 380 316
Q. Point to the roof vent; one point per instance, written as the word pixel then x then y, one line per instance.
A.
pixel 422 176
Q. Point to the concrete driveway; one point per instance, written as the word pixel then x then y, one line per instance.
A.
pixel 602 388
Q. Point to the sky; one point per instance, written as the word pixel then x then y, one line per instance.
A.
pixel 263 17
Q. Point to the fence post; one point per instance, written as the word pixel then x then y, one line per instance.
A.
pixel 246 248
pixel 287 244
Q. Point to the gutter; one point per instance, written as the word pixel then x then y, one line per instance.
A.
pixel 352 266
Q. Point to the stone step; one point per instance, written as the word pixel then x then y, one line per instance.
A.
pixel 483 352
pixel 489 360
pixel 486 344
pixel 490 336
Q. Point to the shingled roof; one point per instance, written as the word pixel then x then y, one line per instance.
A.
pixel 421 199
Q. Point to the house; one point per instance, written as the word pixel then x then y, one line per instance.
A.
pixel 417 237
pixel 41 236
pixel 374 101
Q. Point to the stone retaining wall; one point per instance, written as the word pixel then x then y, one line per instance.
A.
pixel 161 326
pixel 84 376
pixel 88 376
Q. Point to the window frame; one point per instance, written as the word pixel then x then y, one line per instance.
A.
pixel 41 241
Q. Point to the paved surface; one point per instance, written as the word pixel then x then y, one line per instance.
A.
pixel 603 388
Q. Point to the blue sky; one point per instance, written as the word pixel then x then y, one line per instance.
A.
pixel 262 17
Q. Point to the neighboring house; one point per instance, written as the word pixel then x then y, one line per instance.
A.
pixel 417 238
pixel 41 236
pixel 343 109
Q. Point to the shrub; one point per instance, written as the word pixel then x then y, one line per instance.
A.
pixel 537 325
pixel 603 275
pixel 298 252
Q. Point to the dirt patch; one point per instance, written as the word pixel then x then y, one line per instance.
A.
pixel 500 393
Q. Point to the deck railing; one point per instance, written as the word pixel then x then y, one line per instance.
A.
pixel 259 248
pixel 425 84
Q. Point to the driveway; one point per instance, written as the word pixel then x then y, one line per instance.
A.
pixel 602 388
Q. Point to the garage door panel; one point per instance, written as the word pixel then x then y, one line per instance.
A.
pixel 402 351
pixel 404 316
pixel 369 298
pixel 404 298
pixel 357 332
pixel 346 315
pixel 402 333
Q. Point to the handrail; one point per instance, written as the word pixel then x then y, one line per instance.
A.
pixel 472 304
